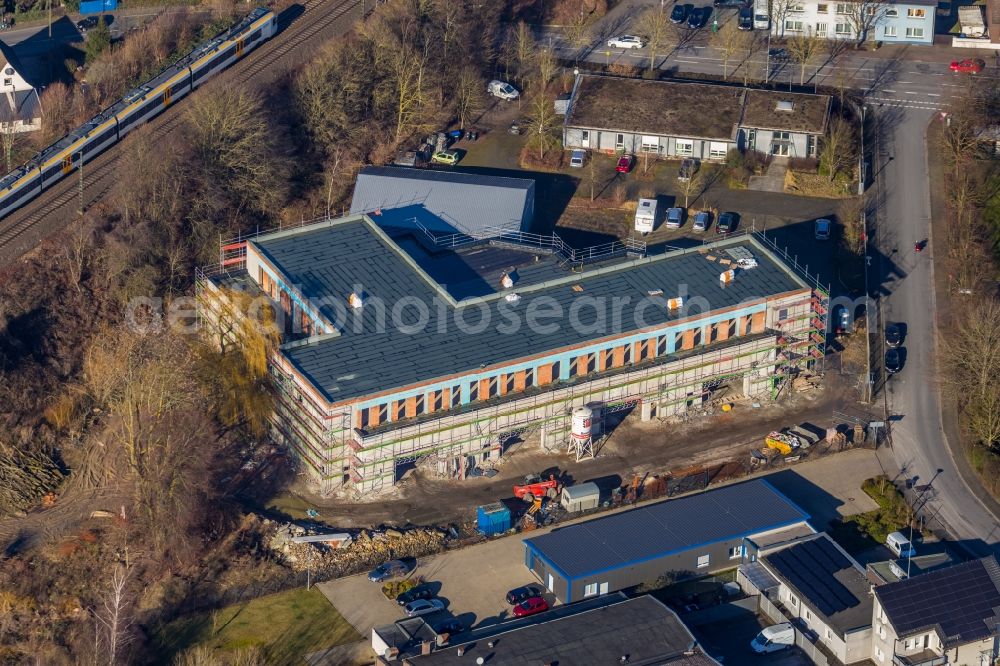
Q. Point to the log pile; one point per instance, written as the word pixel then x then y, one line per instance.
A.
pixel 25 478
pixel 369 548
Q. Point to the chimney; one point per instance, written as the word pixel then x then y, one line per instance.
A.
pixel 426 647
pixel 354 300
pixel 461 650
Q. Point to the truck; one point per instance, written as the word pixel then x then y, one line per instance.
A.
pixel 645 216
pixel 761 14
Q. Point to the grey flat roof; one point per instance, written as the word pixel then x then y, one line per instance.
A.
pixel 918 565
pixel 642 628
pixel 330 260
pixel 444 201
pixel 826 580
pixel 677 525
pixel 962 601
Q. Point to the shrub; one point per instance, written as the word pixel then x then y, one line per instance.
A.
pixel 804 164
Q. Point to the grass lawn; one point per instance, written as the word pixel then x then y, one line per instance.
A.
pixel 867 530
pixel 285 626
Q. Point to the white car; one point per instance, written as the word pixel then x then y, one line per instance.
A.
pixel 423 607
pixel 503 90
pixel 625 42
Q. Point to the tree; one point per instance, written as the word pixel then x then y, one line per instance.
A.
pixel 973 356
pixel 747 41
pixel 98 41
pixel 866 15
pixel 524 53
pixel 726 43
pixel 655 24
pixel 542 121
pixel 851 214
pixel 694 185
pixel 803 48
pixel 779 12
pixel 469 96
pixel 578 32
pixel 836 147
pixel 114 615
pixel 547 65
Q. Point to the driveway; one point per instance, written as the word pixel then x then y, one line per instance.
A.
pixel 728 640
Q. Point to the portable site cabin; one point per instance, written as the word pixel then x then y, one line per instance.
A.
pixel 581 497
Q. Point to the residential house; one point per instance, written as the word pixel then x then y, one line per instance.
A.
pixel 20 109
pixel 909 22
pixel 822 590
pixel 948 616
pixel 681 119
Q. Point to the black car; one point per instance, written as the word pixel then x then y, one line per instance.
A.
pixel 519 594
pixel 688 168
pixel 893 335
pixel 746 18
pixel 86 24
pixel 414 593
pixel 778 54
pixel 727 223
pixel 451 625
pixel 679 13
pixel 730 3
pixel 697 17
pixel 893 361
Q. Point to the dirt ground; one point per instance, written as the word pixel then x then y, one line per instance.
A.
pixel 633 447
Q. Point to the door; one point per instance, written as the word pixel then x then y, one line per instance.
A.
pixel 168 95
pixel 585 138
pixel 779 149
pixel 550 582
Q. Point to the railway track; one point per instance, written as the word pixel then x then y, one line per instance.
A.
pixel 59 206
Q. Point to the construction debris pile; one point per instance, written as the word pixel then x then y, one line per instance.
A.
pixel 336 557
pixel 25 477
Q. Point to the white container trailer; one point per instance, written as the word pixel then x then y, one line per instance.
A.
pixel 581 497
pixel 645 216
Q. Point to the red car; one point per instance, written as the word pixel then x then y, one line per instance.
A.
pixel 968 66
pixel 625 164
pixel 530 606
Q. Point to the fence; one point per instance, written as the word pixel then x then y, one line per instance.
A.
pixel 769 610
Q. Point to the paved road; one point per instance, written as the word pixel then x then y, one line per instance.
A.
pixel 904 89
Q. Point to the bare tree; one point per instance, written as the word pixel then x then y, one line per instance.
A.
pixel 114 615
pixel 542 122
pixel 747 41
pixel 866 15
pixel 851 214
pixel 469 100
pixel 803 48
pixel 974 361
pixel 524 53
pixel 725 41
pixel 655 24
pixel 836 147
pixel 779 11
pixel 578 32
pixel 694 185
pixel 547 65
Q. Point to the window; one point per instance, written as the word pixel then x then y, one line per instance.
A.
pixel 620 141
pixel 908 644
pixel 915 32
pixel 821 29
pixel 879 654
pixel 782 314
pixel 796 8
pixel 842 8
pixel 793 601
pixel 473 391
pixel 703 561
pixel 916 13
pixel 829 633
pixel 782 136
pixel 890 31
pixel 892 13
pixel 822 8
pixel 793 26
pixel 717 150
pixel 684 147
pixel 590 590
pixel 842 29
pixel 529 377
pixel 8 82
pixel 735 552
pixel 650 144
pixel 809 614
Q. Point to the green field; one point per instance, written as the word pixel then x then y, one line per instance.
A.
pixel 285 626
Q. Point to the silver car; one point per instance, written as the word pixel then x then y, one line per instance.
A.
pixel 675 218
pixel 502 89
pixel 701 220
pixel 577 158
pixel 625 42
pixel 423 607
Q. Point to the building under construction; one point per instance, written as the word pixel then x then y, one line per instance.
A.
pixel 403 346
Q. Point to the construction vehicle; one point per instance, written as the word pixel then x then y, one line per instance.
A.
pixel 535 488
pixel 783 443
pixel 530 520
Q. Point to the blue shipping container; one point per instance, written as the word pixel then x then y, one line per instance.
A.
pixel 493 519
pixel 98 6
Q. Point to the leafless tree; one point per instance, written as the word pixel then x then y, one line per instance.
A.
pixel 725 41
pixel 114 615
pixel 694 185
pixel 866 15
pixel 836 147
pixel 655 24
pixel 469 94
pixel 779 11
pixel 524 53
pixel 804 48
pixel 542 122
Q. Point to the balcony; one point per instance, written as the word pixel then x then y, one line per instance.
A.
pixel 922 658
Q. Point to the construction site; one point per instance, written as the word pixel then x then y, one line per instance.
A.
pixel 363 399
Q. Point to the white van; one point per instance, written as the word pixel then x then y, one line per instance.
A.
pixel 772 639
pixel 900 545
pixel 645 216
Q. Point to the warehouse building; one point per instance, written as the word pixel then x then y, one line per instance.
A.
pixel 692 535
pixel 403 346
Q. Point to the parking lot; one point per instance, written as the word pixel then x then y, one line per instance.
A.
pixel 727 639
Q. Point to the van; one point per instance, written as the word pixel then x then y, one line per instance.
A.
pixel 774 638
pixel 762 14
pixel 900 545
pixel 645 216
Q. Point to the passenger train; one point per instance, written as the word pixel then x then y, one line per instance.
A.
pixel 137 107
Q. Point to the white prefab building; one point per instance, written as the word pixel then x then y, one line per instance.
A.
pixel 909 22
pixel 20 110
pixel 673 119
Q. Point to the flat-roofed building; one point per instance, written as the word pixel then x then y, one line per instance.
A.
pixel 400 346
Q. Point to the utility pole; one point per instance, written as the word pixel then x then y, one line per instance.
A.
pixel 50 19
pixel 81 182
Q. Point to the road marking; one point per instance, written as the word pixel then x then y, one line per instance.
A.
pixel 932 94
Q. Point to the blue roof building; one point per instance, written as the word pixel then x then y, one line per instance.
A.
pixel 691 535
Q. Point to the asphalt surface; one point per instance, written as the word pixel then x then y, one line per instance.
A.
pixel 904 89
